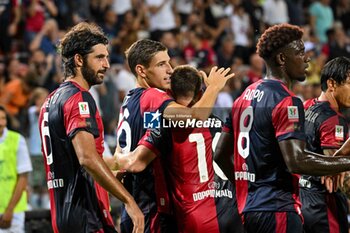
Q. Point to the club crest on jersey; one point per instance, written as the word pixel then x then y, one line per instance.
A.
pixel 293 114
pixel 151 120
pixel 339 132
pixel 84 109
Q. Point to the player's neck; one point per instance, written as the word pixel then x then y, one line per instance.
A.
pixel 140 82
pixel 80 81
pixel 328 96
pixel 278 75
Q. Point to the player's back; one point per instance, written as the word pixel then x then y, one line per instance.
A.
pixel 202 195
pixel 263 115
pixel 78 204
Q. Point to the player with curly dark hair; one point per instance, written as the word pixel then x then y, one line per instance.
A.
pixel 267 131
pixel 71 132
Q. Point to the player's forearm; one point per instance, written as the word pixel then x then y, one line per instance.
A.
pixel 203 108
pixel 319 165
pixel 135 161
pixel 103 176
pixel 300 161
pixel 110 161
pixel 18 191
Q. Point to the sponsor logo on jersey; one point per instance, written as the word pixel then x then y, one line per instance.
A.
pixel 151 120
pixel 339 132
pixel 293 114
pixel 212 193
pixel 84 109
pixel 245 174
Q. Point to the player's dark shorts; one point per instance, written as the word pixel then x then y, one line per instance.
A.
pixel 154 223
pixel 324 212
pixel 273 222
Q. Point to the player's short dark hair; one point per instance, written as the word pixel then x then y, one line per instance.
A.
pixel 276 37
pixel 141 53
pixel 337 69
pixel 79 40
pixel 185 80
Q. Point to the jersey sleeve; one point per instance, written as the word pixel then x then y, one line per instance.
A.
pixel 154 99
pixel 157 140
pixel 333 133
pixel 288 119
pixel 80 114
pixel 23 159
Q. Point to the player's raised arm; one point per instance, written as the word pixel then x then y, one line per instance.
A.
pixel 202 109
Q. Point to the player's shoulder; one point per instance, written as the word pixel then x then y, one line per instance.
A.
pixel 155 92
pixel 308 103
pixel 322 107
pixel 153 98
pixel 67 90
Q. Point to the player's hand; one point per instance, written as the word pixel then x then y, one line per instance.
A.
pixel 217 77
pixel 333 183
pixel 119 174
pixel 12 29
pixel 328 183
pixel 136 216
pixel 5 220
pixel 346 185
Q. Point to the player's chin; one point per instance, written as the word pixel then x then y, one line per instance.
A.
pixel 301 78
pixel 166 86
pixel 98 81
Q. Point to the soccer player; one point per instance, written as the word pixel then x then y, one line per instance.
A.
pixel 202 196
pixel 266 137
pixel 72 141
pixel 326 130
pixel 149 61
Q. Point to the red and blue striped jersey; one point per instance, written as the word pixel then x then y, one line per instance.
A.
pixel 78 203
pixel 265 114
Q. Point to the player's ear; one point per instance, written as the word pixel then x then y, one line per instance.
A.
pixel 140 70
pixel 331 84
pixel 78 60
pixel 280 59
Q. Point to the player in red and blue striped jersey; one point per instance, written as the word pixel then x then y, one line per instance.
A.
pixel 71 131
pixel 203 198
pixel 326 130
pixel 267 131
pixel 149 61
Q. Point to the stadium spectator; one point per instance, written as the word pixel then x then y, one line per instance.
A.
pixel 14 168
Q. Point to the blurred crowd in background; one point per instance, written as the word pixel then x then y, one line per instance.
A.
pixel 202 33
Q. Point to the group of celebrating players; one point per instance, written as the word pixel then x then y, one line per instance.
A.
pixel 241 177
